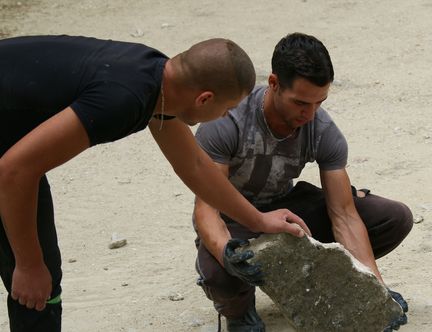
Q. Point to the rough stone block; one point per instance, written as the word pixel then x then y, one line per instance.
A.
pixel 322 287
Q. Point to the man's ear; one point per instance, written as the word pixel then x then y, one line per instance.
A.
pixel 273 82
pixel 204 98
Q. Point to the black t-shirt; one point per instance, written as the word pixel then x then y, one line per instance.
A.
pixel 112 86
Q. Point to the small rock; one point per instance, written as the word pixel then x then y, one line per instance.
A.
pixel 418 219
pixel 176 297
pixel 166 25
pixel 72 260
pixel 360 160
pixel 138 33
pixel 117 242
pixel 124 284
pixel 196 323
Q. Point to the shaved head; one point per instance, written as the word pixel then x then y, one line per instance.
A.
pixel 217 65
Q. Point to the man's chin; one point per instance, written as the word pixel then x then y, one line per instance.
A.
pixel 192 123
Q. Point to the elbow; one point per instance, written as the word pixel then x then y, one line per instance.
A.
pixel 7 173
pixel 12 175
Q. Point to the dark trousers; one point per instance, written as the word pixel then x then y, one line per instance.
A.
pixel 388 223
pixel 22 319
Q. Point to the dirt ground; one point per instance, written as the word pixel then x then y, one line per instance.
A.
pixel 381 51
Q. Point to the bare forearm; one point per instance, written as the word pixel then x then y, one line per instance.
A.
pixel 211 229
pixel 18 201
pixel 354 237
pixel 348 228
pixel 213 187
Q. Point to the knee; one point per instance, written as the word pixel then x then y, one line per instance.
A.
pixel 402 220
pixel 216 282
pixel 222 285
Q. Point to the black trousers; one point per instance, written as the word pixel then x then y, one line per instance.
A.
pixel 388 223
pixel 22 319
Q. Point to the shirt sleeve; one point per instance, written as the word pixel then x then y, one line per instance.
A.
pixel 108 112
pixel 219 138
pixel 332 151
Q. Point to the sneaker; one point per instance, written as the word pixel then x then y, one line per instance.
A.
pixel 250 322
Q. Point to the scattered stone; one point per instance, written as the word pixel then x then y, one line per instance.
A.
pixel 196 323
pixel 360 160
pixel 166 25
pixel 175 297
pixel 117 241
pixel 124 284
pixel 72 260
pixel 418 219
pixel 321 287
pixel 137 33
pixel 126 181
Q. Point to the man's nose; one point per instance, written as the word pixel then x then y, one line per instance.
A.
pixel 309 110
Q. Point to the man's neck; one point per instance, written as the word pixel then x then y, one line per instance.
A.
pixel 275 123
pixel 176 96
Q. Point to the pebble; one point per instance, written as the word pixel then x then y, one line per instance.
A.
pixel 418 219
pixel 72 260
pixel 138 33
pixel 196 323
pixel 176 297
pixel 117 242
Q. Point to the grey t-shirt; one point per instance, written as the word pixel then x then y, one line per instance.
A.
pixel 262 167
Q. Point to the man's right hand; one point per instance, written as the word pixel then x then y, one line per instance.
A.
pixel 401 320
pixel 236 263
pixel 31 286
pixel 283 221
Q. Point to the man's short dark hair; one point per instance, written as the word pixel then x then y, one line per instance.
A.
pixel 219 65
pixel 302 56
